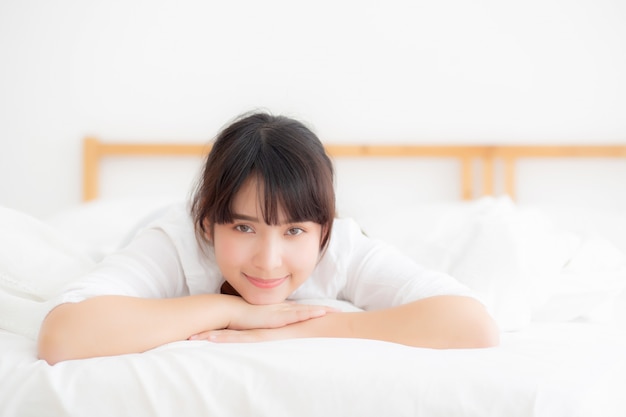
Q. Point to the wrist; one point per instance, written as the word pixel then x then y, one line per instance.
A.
pixel 217 311
pixel 336 324
pixel 236 310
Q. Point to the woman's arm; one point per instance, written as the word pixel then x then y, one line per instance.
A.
pixel 112 325
pixel 442 322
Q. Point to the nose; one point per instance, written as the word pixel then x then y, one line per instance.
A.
pixel 269 254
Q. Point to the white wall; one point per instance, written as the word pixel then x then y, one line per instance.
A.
pixel 450 71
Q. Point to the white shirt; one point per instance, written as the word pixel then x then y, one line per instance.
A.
pixel 166 260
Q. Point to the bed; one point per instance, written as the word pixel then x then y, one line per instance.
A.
pixel 554 283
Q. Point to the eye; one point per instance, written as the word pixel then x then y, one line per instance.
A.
pixel 244 228
pixel 294 231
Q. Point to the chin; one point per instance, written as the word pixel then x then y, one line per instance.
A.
pixel 263 299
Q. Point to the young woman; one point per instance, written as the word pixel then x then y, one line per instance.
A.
pixel 260 234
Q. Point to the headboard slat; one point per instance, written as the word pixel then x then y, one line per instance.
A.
pixel 94 150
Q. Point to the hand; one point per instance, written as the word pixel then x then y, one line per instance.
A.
pixel 249 317
pixel 294 330
pixel 239 336
pixel 270 316
pixel 442 322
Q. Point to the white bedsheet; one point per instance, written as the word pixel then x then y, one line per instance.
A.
pixel 547 370
pixel 563 366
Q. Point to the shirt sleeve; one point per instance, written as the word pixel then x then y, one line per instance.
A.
pixel 379 275
pixel 148 267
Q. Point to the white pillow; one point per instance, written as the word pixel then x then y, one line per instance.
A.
pixel 508 255
pixel 411 228
pixel 35 263
pixel 102 226
pixel 588 285
pixel 607 223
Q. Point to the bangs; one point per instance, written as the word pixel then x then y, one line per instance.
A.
pixel 291 187
pixel 296 200
pixel 294 175
pixel 288 191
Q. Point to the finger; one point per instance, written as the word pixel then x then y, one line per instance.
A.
pixel 234 336
pixel 297 314
pixel 294 313
pixel 315 307
pixel 200 336
pixel 276 315
pixel 306 312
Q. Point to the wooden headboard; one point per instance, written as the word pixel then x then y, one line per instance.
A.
pixel 487 157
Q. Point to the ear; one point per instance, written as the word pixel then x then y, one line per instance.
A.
pixel 208 230
pixel 324 235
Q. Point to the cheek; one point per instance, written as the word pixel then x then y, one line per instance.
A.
pixel 229 252
pixel 304 256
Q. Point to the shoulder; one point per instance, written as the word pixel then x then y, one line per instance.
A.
pixel 196 257
pixel 348 239
pixel 345 230
pixel 173 216
pixel 174 221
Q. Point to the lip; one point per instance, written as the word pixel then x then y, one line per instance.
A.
pixel 265 283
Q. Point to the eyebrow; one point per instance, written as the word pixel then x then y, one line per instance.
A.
pixel 238 216
pixel 245 217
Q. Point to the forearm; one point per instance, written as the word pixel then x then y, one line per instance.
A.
pixel 110 325
pixel 437 322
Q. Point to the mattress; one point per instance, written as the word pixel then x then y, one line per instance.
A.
pixel 557 294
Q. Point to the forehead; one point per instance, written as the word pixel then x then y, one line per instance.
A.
pixel 250 200
pixel 248 196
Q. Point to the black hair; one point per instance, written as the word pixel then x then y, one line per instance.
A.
pixel 291 166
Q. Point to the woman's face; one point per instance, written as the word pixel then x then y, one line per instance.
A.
pixel 264 263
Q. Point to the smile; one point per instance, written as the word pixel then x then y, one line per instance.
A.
pixel 265 283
